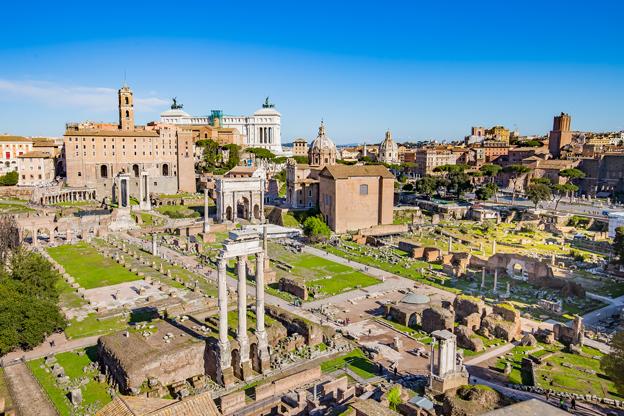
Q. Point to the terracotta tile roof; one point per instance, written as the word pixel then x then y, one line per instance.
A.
pixel 346 171
pixel 199 405
pixel 370 407
pixel 35 154
pixel 112 133
pixel 7 138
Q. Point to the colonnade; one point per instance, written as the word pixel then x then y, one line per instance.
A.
pixel 68 195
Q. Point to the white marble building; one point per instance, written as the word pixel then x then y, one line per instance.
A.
pixel 262 129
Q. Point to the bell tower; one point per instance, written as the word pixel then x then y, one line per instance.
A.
pixel 126 108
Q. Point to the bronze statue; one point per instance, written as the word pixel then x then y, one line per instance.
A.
pixel 175 105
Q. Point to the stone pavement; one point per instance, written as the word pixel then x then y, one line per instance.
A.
pixel 28 396
pixel 61 344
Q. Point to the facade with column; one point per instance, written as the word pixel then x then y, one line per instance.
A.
pixel 240 198
pixel 236 360
pixel 262 129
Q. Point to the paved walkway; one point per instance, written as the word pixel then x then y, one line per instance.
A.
pixel 29 398
pixel 498 351
pixel 61 344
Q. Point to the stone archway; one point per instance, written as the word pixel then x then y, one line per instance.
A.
pixel 236 364
pixel 255 357
pixel 228 214
pixel 243 208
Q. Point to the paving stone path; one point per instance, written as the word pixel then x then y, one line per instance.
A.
pixel 28 396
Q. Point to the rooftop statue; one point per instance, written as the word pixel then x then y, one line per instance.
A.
pixel 267 104
pixel 175 105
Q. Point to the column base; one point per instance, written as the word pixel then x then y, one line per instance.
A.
pixel 227 377
pixel 265 365
pixel 246 370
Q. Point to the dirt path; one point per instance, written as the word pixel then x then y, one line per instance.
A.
pixel 29 398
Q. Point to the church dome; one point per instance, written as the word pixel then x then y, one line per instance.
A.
pixel 322 142
pixel 174 113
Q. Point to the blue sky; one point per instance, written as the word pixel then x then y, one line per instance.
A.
pixel 422 69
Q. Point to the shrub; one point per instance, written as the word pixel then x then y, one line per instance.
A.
pixel 9 179
pixel 315 229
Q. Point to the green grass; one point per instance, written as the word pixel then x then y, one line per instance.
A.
pixel 97 325
pixel 355 360
pixel 420 335
pixel 70 204
pixel 88 267
pixel 13 207
pixel 325 277
pixel 68 297
pixel 94 394
pixel 178 211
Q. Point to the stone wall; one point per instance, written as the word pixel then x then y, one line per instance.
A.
pixel 437 318
pixel 294 288
pixel 288 383
pixel 313 333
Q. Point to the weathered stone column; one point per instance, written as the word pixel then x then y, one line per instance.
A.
pixel 206 224
pixel 493 247
pixel 154 245
pixel 495 280
pixel 224 369
pixel 241 334
pixel 482 277
pixel 450 244
pixel 264 363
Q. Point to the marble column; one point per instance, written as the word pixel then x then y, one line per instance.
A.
pixel 241 333
pixel 154 245
pixel 224 369
pixel 495 280
pixel 264 363
pixel 493 247
pixel 483 278
pixel 450 244
pixel 206 224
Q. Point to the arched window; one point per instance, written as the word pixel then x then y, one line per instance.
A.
pixel 165 169
pixel 104 171
pixel 127 100
pixel 127 114
pixel 135 170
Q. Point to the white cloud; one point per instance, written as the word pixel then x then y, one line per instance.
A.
pixel 90 98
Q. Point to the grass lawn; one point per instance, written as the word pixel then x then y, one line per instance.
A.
pixel 576 379
pixel 68 296
pixel 13 207
pixel 180 211
pixel 88 267
pixel 322 277
pixel 421 336
pixel 91 325
pixel 94 394
pixel 355 360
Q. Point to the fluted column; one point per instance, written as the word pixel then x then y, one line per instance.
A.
pixel 206 225
pixel 263 348
pixel 223 308
pixel 241 334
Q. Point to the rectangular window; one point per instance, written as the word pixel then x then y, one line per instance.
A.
pixel 364 189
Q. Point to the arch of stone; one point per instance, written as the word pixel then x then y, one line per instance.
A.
pixel 240 198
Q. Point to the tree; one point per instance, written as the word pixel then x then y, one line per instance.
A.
pixel 10 179
pixel 618 245
pixel 261 153
pixel 515 172
pixel 490 170
pixel 458 183
pixel 562 190
pixel 538 192
pixel 427 185
pixel 9 237
pixel 570 175
pixel 28 301
pixel 301 159
pixel 613 363
pixel 486 192
pixel 408 187
pixel 394 398
pixel 234 155
pixel 315 229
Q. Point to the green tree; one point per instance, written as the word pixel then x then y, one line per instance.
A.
pixel 515 173
pixel 618 245
pixel 490 170
pixel 570 175
pixel 261 153
pixel 486 192
pixel 315 229
pixel 458 183
pixel 234 157
pixel 10 179
pixel 538 192
pixel 427 185
pixel 301 159
pixel 563 189
pixel 613 363
pixel 408 187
